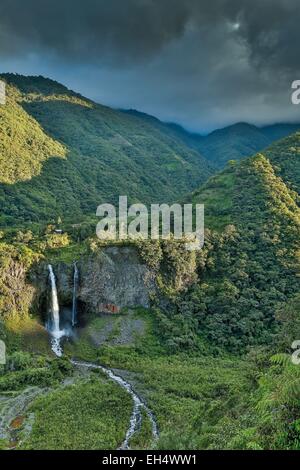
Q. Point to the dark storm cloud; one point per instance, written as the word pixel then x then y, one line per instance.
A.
pixel 85 30
pixel 203 63
pixel 136 28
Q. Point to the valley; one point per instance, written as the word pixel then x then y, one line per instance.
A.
pixel 143 344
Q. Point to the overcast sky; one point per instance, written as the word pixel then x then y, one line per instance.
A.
pixel 201 63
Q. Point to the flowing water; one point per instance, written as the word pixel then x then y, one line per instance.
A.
pixel 53 325
pixel 56 335
pixel 138 404
pixel 75 285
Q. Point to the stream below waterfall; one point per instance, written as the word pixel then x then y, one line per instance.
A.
pixel 138 404
pixel 57 334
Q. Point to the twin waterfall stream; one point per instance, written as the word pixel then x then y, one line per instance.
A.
pixel 56 334
pixel 53 324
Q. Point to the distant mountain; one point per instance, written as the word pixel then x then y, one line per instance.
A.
pixel 230 143
pixel 62 154
pixel 241 140
pixel 279 131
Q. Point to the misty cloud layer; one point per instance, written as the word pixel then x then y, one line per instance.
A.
pixel 204 64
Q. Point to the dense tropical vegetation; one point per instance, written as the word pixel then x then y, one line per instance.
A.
pixel 213 361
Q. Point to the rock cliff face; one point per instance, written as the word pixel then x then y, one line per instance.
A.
pixel 114 279
pixel 110 280
pixel 16 294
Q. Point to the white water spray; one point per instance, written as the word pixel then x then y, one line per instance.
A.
pixel 54 328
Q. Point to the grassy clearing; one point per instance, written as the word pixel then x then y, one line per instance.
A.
pixel 66 254
pixel 199 401
pixel 190 395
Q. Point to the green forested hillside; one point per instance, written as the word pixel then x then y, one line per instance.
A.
pixel 62 154
pixel 233 143
pixel 24 146
pixel 211 356
pixel 250 265
pixel 285 158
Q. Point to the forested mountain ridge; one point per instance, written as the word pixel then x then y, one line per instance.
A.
pixel 216 315
pixel 221 191
pixel 63 155
pixel 285 158
pixel 252 262
pixel 230 143
pixel 241 140
pixel 24 146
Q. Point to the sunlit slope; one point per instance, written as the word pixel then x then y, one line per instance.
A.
pixel 24 146
pixel 62 154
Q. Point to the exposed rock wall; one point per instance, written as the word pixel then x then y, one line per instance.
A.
pixel 16 294
pixel 114 279
pixel 108 281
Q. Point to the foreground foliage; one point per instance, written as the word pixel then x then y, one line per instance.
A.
pixel 89 415
pixel 206 402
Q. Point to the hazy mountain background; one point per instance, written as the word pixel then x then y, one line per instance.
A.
pixel 230 143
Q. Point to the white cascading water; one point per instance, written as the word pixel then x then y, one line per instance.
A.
pixel 138 404
pixel 75 284
pixel 56 335
pixel 55 331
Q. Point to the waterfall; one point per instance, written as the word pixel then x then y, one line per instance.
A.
pixel 54 328
pixel 54 302
pixel 75 285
